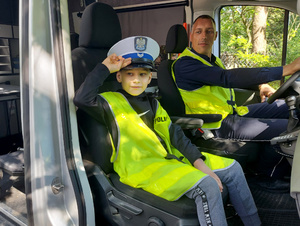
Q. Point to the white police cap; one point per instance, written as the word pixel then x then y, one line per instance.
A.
pixel 142 50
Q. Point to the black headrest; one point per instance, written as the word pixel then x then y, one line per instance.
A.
pixel 100 26
pixel 177 39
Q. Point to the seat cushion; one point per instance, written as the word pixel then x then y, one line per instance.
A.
pixel 183 208
pixel 13 163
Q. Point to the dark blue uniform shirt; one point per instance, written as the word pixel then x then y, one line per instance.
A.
pixel 192 74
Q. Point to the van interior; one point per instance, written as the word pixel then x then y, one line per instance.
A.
pixel 95 26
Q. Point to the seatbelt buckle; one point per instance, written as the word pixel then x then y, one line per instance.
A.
pixel 199 130
pixel 206 134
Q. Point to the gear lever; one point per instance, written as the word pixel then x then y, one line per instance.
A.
pixel 293 119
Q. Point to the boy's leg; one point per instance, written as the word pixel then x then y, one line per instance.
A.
pixel 240 194
pixel 209 202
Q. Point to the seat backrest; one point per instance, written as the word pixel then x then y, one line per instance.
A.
pixel 99 30
pixel 171 100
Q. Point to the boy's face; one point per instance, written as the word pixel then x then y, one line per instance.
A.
pixel 134 81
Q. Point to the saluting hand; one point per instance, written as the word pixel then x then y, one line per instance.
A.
pixel 114 63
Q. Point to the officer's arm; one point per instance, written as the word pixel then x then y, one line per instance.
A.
pixel 191 74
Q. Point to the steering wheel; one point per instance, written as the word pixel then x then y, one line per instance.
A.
pixel 283 87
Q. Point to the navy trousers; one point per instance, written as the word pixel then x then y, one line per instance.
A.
pixel 263 122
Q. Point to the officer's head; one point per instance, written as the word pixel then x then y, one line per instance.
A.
pixel 143 51
pixel 203 34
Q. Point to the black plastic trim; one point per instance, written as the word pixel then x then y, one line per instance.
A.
pixel 156 6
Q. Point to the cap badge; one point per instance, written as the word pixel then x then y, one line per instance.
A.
pixel 140 55
pixel 140 43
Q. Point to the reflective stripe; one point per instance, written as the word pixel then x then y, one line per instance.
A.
pixel 205 206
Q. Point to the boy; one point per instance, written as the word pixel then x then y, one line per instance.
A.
pixel 149 151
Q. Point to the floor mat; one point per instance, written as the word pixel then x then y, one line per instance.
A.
pixel 275 208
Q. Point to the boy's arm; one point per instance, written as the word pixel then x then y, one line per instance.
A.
pixel 184 144
pixel 191 152
pixel 87 97
pixel 200 165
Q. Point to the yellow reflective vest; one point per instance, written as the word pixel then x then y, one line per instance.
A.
pixel 139 158
pixel 208 99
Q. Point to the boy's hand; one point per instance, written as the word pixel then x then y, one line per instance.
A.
pixel 115 63
pixel 200 165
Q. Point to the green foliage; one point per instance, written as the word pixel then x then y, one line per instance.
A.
pixel 236 34
pixel 293 38
pixel 241 52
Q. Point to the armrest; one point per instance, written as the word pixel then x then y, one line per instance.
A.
pixel 187 123
pixel 246 96
pixel 205 117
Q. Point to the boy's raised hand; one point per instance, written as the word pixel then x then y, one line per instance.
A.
pixel 115 63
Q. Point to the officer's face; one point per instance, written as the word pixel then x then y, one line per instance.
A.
pixel 134 81
pixel 203 36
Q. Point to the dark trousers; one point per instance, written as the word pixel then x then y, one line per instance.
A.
pixel 263 122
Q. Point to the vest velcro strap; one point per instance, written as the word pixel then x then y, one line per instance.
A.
pixel 170 156
pixel 231 102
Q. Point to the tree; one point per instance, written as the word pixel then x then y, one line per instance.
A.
pixel 252 36
pixel 259 40
pixel 236 38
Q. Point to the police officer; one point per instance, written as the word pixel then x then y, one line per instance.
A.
pixel 207 88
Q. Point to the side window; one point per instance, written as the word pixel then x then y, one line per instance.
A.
pixel 253 36
pixel 293 41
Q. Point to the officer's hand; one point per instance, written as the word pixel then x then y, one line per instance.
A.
pixel 265 91
pixel 291 68
pixel 114 63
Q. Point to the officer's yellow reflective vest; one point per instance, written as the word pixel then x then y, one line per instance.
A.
pixel 139 158
pixel 208 99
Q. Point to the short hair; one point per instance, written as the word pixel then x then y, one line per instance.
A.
pixel 205 17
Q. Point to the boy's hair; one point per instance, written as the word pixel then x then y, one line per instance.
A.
pixel 205 17
pixel 127 69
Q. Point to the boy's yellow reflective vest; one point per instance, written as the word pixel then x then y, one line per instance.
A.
pixel 139 158
pixel 208 99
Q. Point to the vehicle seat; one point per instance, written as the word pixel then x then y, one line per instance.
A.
pixel 115 203
pixel 11 165
pixel 171 100
pixel 100 29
